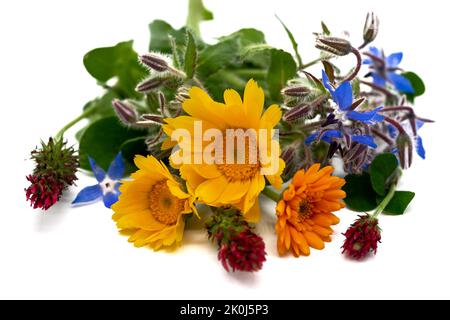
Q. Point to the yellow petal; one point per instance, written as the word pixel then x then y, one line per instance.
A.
pixel 201 106
pixel 175 189
pixel 253 102
pixel 152 166
pixel 139 220
pixel 253 192
pixel 168 144
pixel 208 171
pixel 234 191
pixel 253 215
pixel 275 180
pixel 271 117
pixel 192 178
pixel 211 190
pixel 232 98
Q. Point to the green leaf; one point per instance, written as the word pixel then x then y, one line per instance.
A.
pixel 190 58
pixel 254 49
pixel 399 203
pixel 160 32
pixel 197 14
pixel 119 61
pixel 102 105
pixel 102 108
pixel 246 36
pixel 102 141
pixel 360 195
pixel 216 57
pixel 325 29
pixel 227 52
pixel 131 148
pixel 381 171
pixel 222 65
pixel 293 42
pixel 417 84
pixel 282 68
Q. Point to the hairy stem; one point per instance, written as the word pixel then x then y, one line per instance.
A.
pixel 378 88
pixel 355 72
pixel 82 116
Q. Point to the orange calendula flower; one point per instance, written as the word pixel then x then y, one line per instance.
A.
pixel 305 211
pixel 152 206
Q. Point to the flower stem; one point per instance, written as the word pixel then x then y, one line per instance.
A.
pixel 378 88
pixel 197 13
pixel 311 63
pixel 82 116
pixel 271 194
pixel 358 65
pixel 383 204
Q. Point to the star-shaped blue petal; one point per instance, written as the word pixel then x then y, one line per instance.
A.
pixel 366 117
pixel 387 71
pixel 108 183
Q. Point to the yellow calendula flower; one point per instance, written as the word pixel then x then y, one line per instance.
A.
pixel 152 206
pixel 228 183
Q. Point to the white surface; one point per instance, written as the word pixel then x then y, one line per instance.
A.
pixel 77 253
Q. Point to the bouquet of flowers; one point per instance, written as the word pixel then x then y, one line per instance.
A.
pixel 192 130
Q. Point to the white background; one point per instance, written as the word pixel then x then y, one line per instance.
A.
pixel 78 253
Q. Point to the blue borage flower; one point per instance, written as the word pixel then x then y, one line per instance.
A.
pixel 343 97
pixel 108 183
pixel 329 135
pixel 384 69
pixel 420 150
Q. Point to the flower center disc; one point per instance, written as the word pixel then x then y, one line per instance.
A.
pixel 243 164
pixel 165 207
pixel 304 210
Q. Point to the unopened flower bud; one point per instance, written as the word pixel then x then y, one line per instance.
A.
pixel 296 91
pixel 154 62
pixel 288 154
pixel 405 150
pixel 125 112
pixel 297 112
pixel 370 27
pixel 150 84
pixel 334 45
pixel 182 94
pixel 150 119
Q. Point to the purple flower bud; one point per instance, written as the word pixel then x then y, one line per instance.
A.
pixel 151 119
pixel 297 112
pixel 371 27
pixel 334 45
pixel 154 62
pixel 150 84
pixel 125 112
pixel 354 152
pixel 296 91
pixel 288 155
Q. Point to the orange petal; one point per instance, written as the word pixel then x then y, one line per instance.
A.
pixel 314 240
pixel 321 231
